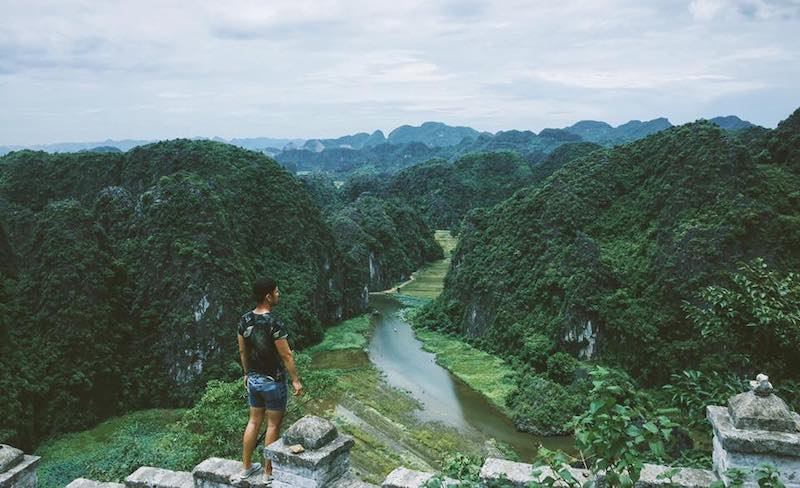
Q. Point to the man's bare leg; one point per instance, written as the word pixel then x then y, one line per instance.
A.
pixel 251 435
pixel 274 419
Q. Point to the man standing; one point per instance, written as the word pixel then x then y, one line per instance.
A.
pixel 266 357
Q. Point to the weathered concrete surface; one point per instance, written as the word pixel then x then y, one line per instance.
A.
pixel 22 474
pixel 220 473
pixel 215 472
pixel 685 478
pixel 280 454
pixel 149 477
pixel 789 467
pixel 87 483
pixel 9 457
pixel 408 478
pixel 311 432
pixel 752 441
pixel 520 474
pixel 760 412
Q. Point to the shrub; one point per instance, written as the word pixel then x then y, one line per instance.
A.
pixel 561 367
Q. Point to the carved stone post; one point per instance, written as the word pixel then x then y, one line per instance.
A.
pixel 756 428
pixel 17 469
pixel 324 460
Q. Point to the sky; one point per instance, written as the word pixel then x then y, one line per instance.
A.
pixel 74 70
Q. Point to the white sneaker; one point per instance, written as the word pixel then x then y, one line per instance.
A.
pixel 246 473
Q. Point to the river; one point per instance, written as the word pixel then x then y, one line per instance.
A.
pixel 395 350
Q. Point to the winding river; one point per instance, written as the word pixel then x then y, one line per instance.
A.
pixel 398 353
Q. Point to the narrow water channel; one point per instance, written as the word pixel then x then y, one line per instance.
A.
pixel 398 353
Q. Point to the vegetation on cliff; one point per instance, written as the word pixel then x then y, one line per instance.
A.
pixel 123 274
pixel 607 257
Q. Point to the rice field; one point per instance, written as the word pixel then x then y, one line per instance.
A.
pixel 428 281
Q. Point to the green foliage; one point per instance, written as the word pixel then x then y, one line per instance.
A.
pixel 755 319
pixel 350 334
pixel 130 272
pixel 461 467
pixel 115 448
pixel 768 477
pixel 561 367
pixel 389 158
pixel 485 373
pixel 177 440
pixel 465 470
pixel 544 407
pixel 621 237
pixel 765 475
pixel 553 469
pixel 692 391
pixel 443 192
pixel 382 242
pixel 619 424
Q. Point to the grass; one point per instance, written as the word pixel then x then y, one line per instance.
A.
pixel 483 372
pixel 428 281
pixel 79 454
pixel 350 334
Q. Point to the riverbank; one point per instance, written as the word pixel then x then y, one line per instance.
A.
pixel 487 374
pixel 382 418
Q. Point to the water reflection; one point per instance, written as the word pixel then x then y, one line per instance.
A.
pixel 396 351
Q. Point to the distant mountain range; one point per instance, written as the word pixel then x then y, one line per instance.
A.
pixel 603 133
pixel 254 143
pixel 431 134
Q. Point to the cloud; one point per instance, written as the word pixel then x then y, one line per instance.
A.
pixel 85 70
pixel 749 9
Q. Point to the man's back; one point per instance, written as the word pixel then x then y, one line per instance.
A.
pixel 260 331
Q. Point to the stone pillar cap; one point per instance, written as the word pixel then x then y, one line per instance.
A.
pixel 9 457
pixel 311 432
pixel 761 409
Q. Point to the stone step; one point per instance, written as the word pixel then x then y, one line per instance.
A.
pixel 20 472
pixel 150 477
pixel 9 457
pixel 87 483
pixel 217 473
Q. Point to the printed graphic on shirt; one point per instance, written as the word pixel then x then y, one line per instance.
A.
pixel 260 331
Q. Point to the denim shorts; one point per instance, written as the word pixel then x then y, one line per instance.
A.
pixel 262 392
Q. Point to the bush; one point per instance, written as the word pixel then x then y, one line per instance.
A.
pixel 536 349
pixel 544 407
pixel 561 367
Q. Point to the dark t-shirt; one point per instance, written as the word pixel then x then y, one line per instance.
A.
pixel 260 331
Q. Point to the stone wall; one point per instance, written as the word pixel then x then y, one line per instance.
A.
pixel 757 427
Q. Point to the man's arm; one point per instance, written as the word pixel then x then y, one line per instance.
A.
pixel 243 357
pixel 282 345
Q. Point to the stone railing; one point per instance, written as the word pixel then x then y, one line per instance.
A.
pixel 16 468
pixel 755 428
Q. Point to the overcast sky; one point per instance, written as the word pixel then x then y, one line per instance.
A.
pixel 91 70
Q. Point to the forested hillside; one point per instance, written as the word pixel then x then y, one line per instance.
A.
pixel 123 275
pixel 443 192
pixel 610 257
pixel 381 239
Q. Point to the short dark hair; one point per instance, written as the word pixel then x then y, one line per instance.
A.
pixel 262 287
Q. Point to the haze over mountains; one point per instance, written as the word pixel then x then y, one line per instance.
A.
pixel 431 134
